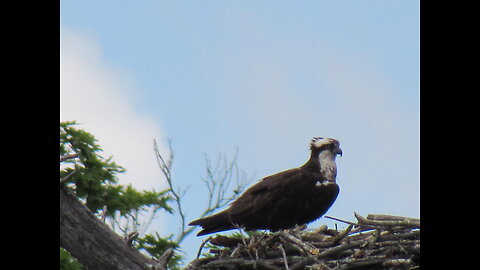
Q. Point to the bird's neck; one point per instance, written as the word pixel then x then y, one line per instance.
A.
pixel 324 163
pixel 328 167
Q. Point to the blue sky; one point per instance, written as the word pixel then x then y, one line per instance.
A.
pixel 260 76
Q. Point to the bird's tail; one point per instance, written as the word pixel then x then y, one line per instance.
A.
pixel 216 223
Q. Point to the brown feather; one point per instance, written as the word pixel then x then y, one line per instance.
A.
pixel 280 201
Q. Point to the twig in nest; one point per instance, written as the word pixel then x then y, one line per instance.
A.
pixel 358 263
pixel 285 262
pixel 390 217
pixel 304 247
pixel 370 241
pixel 235 251
pixel 397 262
pixel 244 242
pixel 225 241
pixel 203 244
pixel 344 221
pixel 367 246
pixel 397 221
pixel 240 263
pixel 342 234
pixel 251 245
pixel 352 223
pixel 301 264
pixel 337 249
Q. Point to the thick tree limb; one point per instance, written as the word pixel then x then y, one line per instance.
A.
pixel 92 242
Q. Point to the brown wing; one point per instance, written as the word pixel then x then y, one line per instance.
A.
pixel 282 200
pixel 253 200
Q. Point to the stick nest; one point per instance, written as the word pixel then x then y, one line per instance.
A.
pixel 374 242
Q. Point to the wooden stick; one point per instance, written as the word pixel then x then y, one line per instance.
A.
pixel 285 262
pixel 69 156
pixel 307 248
pixel 203 244
pixel 405 222
pixel 344 221
pixel 370 242
pixel 66 177
pixel 342 234
pixel 389 217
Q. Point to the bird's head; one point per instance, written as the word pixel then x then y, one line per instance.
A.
pixel 320 144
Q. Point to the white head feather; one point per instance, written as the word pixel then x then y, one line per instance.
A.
pixel 318 142
pixel 328 167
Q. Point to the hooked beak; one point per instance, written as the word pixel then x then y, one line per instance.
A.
pixel 339 151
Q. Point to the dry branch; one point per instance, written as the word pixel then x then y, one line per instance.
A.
pixel 387 220
pixel 375 242
pixel 218 182
pixel 67 157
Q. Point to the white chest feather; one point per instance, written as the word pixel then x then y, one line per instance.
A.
pixel 328 167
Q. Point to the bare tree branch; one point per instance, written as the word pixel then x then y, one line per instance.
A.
pixel 218 181
pixel 69 156
pixel 64 179
pixel 387 220
pixel 165 166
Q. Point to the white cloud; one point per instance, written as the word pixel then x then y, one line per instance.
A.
pixel 101 98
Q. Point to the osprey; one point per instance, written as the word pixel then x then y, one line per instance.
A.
pixel 285 199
